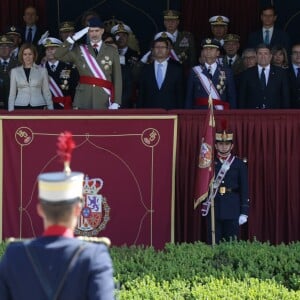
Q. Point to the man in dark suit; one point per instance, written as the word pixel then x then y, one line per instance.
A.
pixel 230 190
pixel 265 85
pixel 210 79
pixel 294 76
pixel 57 265
pixel 269 34
pixel 161 81
pixel 31 32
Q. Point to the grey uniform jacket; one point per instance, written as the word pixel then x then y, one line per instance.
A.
pixel 89 96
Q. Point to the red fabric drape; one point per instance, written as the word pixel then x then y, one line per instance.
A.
pixel 243 15
pixel 12 12
pixel 270 142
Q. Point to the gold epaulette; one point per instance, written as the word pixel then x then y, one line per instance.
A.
pixel 14 240
pixel 106 241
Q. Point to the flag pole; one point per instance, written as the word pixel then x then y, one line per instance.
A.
pixel 213 223
pixel 212 209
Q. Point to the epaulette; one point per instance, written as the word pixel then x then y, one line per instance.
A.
pixel 104 240
pixel 15 240
pixel 186 33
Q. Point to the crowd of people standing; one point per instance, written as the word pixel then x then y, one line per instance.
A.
pixel 100 67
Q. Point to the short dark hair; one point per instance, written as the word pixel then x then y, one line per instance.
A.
pixel 58 211
pixel 262 46
pixel 268 7
pixel 167 41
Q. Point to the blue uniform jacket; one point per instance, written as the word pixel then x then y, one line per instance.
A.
pixel 196 90
pixel 91 277
pixel 233 203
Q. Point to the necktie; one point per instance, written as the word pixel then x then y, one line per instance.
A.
pixel 230 62
pixel 209 72
pixel 95 47
pixel 267 37
pixel 29 35
pixel 159 75
pixel 5 64
pixel 298 73
pixel 263 78
pixel 53 67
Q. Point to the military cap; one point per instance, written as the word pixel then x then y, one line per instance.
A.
pixel 6 40
pixel 65 186
pixel 166 35
pixel 13 30
pixel 171 14
pixel 224 135
pixel 210 43
pixel 219 20
pixel 66 26
pixel 51 42
pixel 231 38
pixel 95 22
pixel 120 28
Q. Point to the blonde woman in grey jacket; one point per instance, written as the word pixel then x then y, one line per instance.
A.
pixel 29 83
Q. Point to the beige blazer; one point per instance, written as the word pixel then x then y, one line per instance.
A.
pixel 35 91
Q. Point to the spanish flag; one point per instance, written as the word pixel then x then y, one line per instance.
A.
pixel 205 167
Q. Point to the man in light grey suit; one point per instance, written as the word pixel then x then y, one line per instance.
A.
pixel 98 64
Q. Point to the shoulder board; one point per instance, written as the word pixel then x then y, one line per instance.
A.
pixel 15 240
pixel 186 33
pixel 104 240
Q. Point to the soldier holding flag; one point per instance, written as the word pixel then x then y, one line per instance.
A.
pixel 229 191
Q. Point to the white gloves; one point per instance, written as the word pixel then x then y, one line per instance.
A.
pixel 242 219
pixel 79 34
pixel 43 37
pixel 114 106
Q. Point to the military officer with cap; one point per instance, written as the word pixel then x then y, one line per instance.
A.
pixel 231 58
pixel 121 33
pixel 129 63
pixel 98 64
pixel 57 265
pixel 66 29
pixel 63 77
pixel 210 79
pixel 219 27
pixel 15 34
pixel 184 43
pixel 230 188
pixel 7 62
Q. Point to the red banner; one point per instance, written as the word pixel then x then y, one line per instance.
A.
pixel 129 166
pixel 205 168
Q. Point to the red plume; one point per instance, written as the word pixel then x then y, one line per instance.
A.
pixel 224 124
pixel 65 146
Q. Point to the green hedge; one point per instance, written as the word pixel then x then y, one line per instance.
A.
pixel 232 270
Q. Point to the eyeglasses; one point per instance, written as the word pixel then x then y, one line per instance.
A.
pixel 295 52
